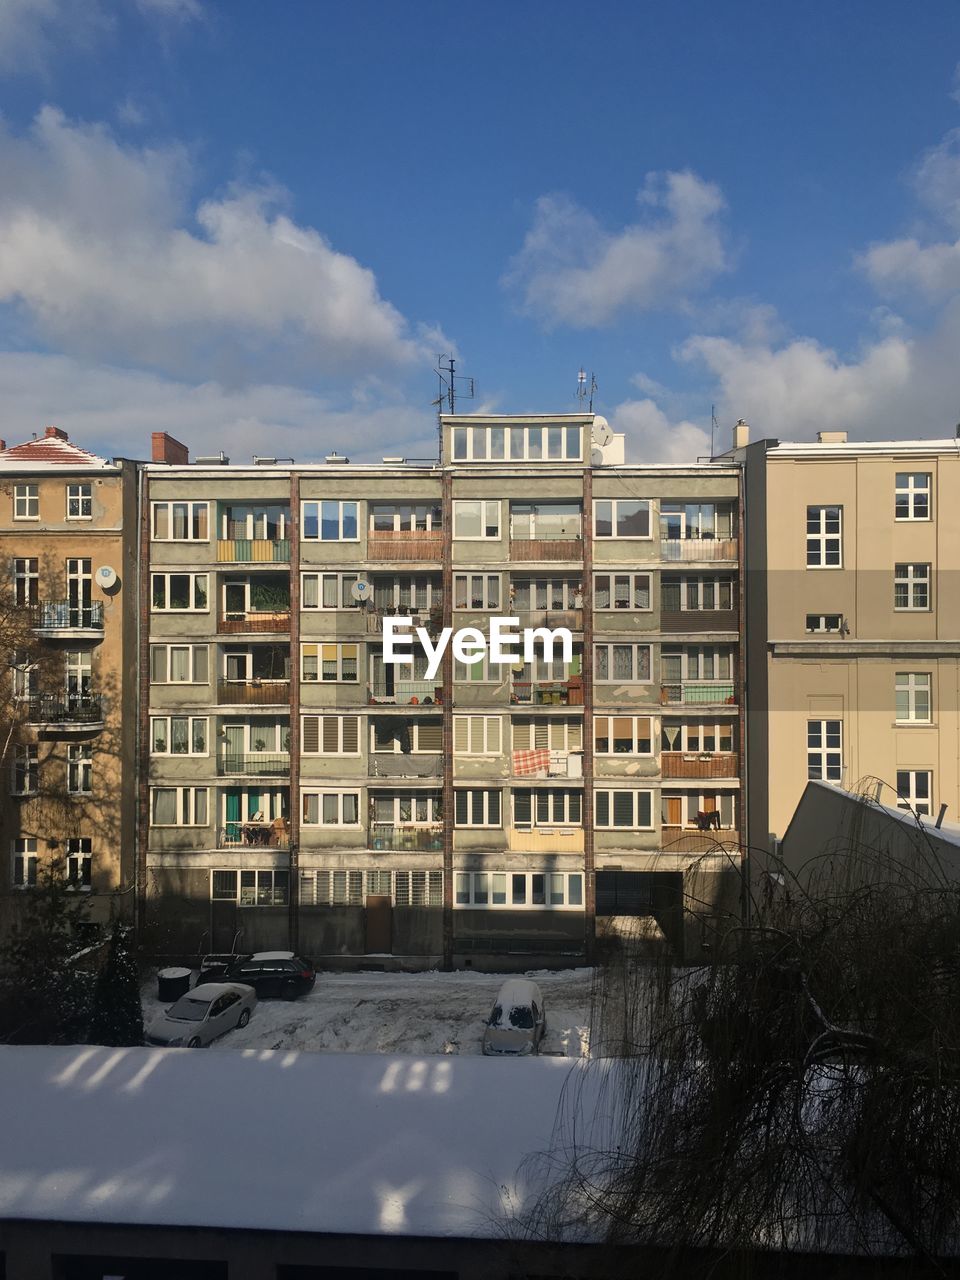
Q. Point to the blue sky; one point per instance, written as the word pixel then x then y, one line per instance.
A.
pixel 256 225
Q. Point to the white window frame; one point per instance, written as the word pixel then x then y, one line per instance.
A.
pixel 614 504
pixel 557 798
pixel 26 675
pixel 319 794
pixel 907 488
pixel 486 804
pixel 192 722
pixel 415 747
pixel 916 686
pixel 516 442
pixel 339 646
pixel 433 593
pixel 474 889
pixel 821 623
pixel 26 580
pixel 653 733
pixel 342 505
pixel 24 769
pixel 635 664
pixel 489 605
pixel 80 863
pixel 343 581
pixel 693 663
pixel 489 507
pixel 26 501
pixel 718 728
pixel 80 501
pixel 23 849
pixel 916 578
pixel 695 801
pixel 80 769
pixel 192 649
pixel 544 728
pixel 433 800
pixel 320 717
pixel 909 792
pixel 194 591
pixel 484 728
pixel 256 514
pixel 634 582
pixel 192 510
pixel 398 525
pixel 611 793
pixel 699 581
pixel 483 672
pixel 823 754
pixel 186 804
pixel 819 540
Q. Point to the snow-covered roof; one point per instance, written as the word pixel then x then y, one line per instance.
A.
pixel 343 1143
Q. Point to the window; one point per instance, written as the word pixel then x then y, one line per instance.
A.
pixel 704 811
pixel 396 736
pixel 912 496
pixel 417 888
pixel 181 591
pixel 328 590
pixel 621 591
pixel 397 517
pixel 330 735
pixel 25 860
pixel 330 521
pixel 179 664
pixel 700 663
pixel 535 595
pixel 700 521
pixel 408 809
pixel 80 769
pixel 553 807
pixel 477 735
pixel 79 501
pixel 331 808
pixel 483 672
pixel 26 580
pixel 79 862
pixel 630 810
pixel 532 681
pixel 824 537
pixel 621 518
pixel 911 587
pixel 614 663
pixel 512 889
pixel 476 591
pixel 26 676
pixel 321 888
pixel 550 443
pixel 330 663
pixel 698 739
pixel 78 664
pixel 913 697
pixel 622 736
pixel 477 808
pixel 406 593
pixel 24 771
pixel 545 520
pixel 257 888
pixel 476 518
pixel 825 750
pixel 179 807
pixel 26 502
pixel 261 522
pixel 553 733
pixel 915 790
pixel 178 735
pixel 181 521
pixel 818 623
pixel 696 594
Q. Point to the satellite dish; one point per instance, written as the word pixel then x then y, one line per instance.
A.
pixel 596 457
pixel 602 435
pixel 106 577
pixel 361 590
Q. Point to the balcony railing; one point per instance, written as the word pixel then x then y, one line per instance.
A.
pixel 254 691
pixel 399 764
pixel 572 619
pixel 546 549
pixel 432 622
pixel 254 620
pixel 407 692
pixel 253 550
pixel 399 838
pixel 547 693
pixel 254 835
pixel 64 615
pixel 545 839
pixel 698 549
pixel 545 763
pixel 691 840
pixel 405 544
pixel 258 765
pixel 699 620
pixel 699 693
pixel 77 711
pixel 682 764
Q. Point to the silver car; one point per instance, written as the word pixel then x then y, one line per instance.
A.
pixel 203 1014
pixel 517 1022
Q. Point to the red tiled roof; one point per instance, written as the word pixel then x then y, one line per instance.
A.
pixel 53 447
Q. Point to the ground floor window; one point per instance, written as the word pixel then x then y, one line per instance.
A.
pixel 915 790
pixel 252 888
pixel 519 889
pixel 351 888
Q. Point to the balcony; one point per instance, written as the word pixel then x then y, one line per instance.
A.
pixel 699 620
pixel 67 620
pixel 572 619
pixel 716 764
pixel 675 839
pixel 405 837
pixel 700 693
pixel 431 621
pixel 545 839
pixel 259 765
pixel 254 692
pixel 253 550
pixel 66 713
pixel 399 764
pixel 254 835
pixel 699 550
pixel 546 549
pixel 542 762
pixel 404 544
pixel 547 693
pixel 250 620
pixel 406 692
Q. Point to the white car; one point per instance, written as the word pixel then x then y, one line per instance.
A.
pixel 202 1015
pixel 517 1022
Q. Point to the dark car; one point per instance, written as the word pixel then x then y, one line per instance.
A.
pixel 274 973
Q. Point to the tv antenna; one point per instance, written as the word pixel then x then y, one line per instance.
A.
pixel 713 430
pixel 452 384
pixel 582 391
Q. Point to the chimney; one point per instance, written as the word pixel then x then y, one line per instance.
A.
pixel 831 437
pixel 3 445
pixel 54 433
pixel 741 434
pixel 166 449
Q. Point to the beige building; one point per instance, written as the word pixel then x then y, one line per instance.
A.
pixel 67 522
pixel 853 622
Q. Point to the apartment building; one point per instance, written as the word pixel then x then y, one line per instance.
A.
pixel 297 789
pixel 67 789
pixel 853 620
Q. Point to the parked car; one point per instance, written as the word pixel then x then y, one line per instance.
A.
pixel 202 1015
pixel 517 1022
pixel 274 973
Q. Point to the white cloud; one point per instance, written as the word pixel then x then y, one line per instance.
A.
pixel 571 271
pixel 32 30
pixel 99 251
pixel 652 437
pixel 175 10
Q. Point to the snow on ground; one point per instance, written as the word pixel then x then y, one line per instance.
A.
pixel 416 1013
